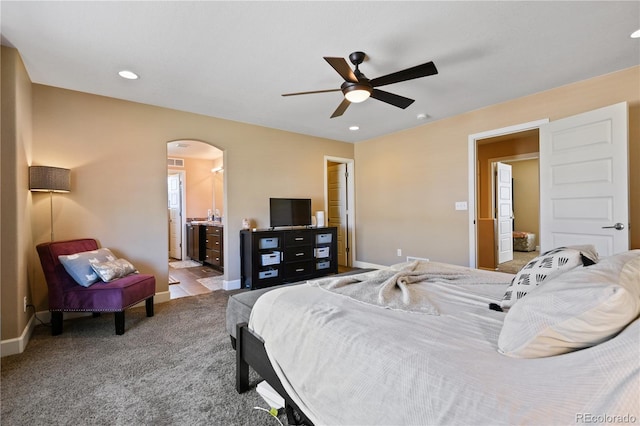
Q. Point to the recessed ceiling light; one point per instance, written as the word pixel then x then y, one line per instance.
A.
pixel 422 116
pixel 635 34
pixel 129 75
pixel 354 128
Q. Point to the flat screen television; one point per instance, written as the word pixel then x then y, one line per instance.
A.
pixel 290 211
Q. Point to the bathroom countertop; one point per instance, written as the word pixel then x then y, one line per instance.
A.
pixel 206 223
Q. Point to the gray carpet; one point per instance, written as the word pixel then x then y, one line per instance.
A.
pixel 520 259
pixel 176 368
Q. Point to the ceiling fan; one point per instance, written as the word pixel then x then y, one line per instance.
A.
pixel 357 88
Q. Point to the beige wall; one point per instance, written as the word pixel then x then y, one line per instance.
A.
pixel 15 199
pixel 198 186
pixel 526 195
pixel 407 183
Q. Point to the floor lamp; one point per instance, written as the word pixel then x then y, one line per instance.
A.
pixel 49 179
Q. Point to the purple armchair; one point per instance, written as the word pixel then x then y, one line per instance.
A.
pixel 65 295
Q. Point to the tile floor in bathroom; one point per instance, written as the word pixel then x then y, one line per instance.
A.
pixel 187 280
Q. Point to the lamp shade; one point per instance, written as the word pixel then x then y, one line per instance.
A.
pixel 49 179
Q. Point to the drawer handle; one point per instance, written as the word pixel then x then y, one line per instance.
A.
pixel 299 238
pixel 299 254
pixel 300 270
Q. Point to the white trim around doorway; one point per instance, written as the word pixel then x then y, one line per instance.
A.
pixel 472 151
pixel 350 200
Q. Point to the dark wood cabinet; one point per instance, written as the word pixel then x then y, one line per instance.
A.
pixel 273 257
pixel 205 244
pixel 212 246
pixel 193 242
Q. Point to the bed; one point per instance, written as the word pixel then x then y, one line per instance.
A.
pixel 441 344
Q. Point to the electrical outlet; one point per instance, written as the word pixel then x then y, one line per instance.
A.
pixel 399 252
pixel 25 304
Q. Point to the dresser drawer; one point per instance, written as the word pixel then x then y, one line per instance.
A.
pixel 213 257
pixel 294 254
pixel 214 230
pixel 298 269
pixel 298 238
pixel 213 242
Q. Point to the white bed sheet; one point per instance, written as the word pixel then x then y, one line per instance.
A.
pixel 345 362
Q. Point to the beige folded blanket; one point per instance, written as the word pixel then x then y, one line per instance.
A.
pixel 403 289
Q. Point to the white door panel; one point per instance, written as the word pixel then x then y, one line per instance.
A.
pixel 337 211
pixel 337 198
pixel 584 180
pixel 504 202
pixel 175 217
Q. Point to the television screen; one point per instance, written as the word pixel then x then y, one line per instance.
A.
pixel 290 211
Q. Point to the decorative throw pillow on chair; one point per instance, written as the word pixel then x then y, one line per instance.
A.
pixel 112 270
pixel 78 265
pixel 546 266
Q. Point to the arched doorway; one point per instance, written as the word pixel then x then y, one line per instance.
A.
pixel 195 195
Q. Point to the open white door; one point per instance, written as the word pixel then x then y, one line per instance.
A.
pixel 584 181
pixel 337 201
pixel 175 219
pixel 504 211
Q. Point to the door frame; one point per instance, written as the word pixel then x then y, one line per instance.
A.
pixel 183 202
pixel 473 173
pixel 351 210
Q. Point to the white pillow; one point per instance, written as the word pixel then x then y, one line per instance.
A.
pixel 545 267
pixel 578 309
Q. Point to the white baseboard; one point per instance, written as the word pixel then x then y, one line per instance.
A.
pixel 18 344
pixel 359 264
pixel 231 285
pixel 165 296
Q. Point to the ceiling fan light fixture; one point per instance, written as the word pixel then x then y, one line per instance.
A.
pixel 356 93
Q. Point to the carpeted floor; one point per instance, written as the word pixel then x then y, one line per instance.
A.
pixel 520 258
pixel 176 368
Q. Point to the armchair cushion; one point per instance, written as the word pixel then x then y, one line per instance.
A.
pixel 78 265
pixel 114 296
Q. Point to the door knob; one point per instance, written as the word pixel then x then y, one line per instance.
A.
pixel 618 227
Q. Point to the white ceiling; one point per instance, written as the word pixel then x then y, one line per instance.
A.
pixel 192 149
pixel 233 59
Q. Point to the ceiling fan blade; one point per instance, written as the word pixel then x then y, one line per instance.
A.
pixel 312 92
pixel 343 68
pixel 341 108
pixel 409 74
pixel 390 98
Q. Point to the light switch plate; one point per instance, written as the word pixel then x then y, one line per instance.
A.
pixel 461 205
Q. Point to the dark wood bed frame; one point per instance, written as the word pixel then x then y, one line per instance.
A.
pixel 250 352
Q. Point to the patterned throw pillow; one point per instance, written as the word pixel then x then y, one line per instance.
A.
pixel 544 267
pixel 109 271
pixel 78 265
